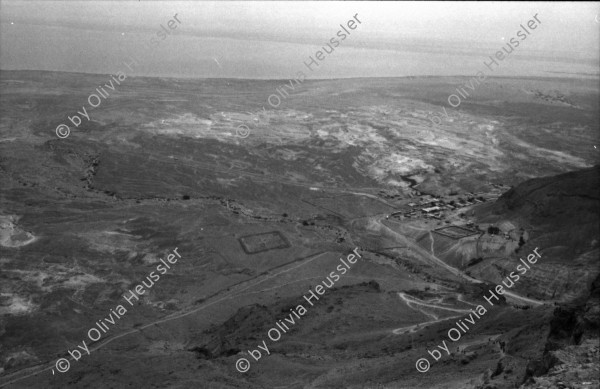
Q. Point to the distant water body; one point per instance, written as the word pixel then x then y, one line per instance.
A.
pixel 61 49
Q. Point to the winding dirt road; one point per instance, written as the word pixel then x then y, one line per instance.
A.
pixel 411 301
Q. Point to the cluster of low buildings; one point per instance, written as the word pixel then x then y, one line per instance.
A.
pixel 432 207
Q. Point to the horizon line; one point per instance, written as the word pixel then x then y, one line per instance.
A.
pixel 581 75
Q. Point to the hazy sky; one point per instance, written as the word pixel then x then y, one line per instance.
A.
pixel 273 39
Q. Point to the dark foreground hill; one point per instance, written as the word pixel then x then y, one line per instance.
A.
pixel 564 209
pixel 561 214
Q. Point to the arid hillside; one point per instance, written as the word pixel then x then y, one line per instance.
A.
pixel 262 202
pixel 559 214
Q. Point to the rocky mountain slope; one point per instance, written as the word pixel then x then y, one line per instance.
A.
pixel 559 214
pixel 562 214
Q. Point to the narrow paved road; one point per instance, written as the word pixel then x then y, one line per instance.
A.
pixel 416 247
pixel 431 256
